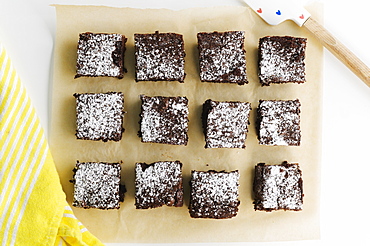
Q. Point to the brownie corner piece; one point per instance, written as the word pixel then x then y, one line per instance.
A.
pixel 278 122
pixel 278 187
pixel 225 124
pixel 158 184
pixel 213 194
pixel 99 116
pixel 100 54
pixel 281 59
pixel 222 57
pixel 164 120
pixel 159 57
pixel 97 185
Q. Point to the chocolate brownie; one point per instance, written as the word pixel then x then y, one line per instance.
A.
pixel 164 120
pixel 278 187
pixel 158 184
pixel 214 194
pixel 225 123
pixel 278 122
pixel 97 185
pixel 222 57
pixel 100 54
pixel 99 116
pixel 281 59
pixel 159 57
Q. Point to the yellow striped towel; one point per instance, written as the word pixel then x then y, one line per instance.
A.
pixel 33 207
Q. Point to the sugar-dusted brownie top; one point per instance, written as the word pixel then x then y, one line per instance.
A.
pixel 214 194
pixel 97 185
pixel 278 122
pixel 222 57
pixel 278 187
pixel 281 59
pixel 225 123
pixel 159 56
pixel 164 120
pixel 99 116
pixel 100 54
pixel 158 184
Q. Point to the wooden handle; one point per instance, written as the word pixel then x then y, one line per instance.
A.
pixel 339 50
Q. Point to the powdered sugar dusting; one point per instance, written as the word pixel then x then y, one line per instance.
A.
pixel 159 56
pixel 282 60
pixel 158 184
pixel 96 185
pixel 164 120
pixel 279 122
pixel 279 187
pixel 214 194
pixel 99 116
pixel 222 57
pixel 96 52
pixel 227 124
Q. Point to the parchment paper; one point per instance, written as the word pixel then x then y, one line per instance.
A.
pixel 168 224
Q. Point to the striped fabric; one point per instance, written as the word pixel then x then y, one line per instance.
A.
pixel 33 207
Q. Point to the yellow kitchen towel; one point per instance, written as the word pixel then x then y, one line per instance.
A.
pixel 33 207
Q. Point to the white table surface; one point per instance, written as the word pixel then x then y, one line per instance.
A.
pixel 27 29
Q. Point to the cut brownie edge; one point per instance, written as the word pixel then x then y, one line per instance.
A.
pixel 206 109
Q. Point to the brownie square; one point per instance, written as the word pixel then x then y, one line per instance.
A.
pixel 158 184
pixel 222 57
pixel 100 54
pixel 278 187
pixel 214 194
pixel 281 59
pixel 225 123
pixel 159 57
pixel 164 120
pixel 99 116
pixel 278 122
pixel 97 185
